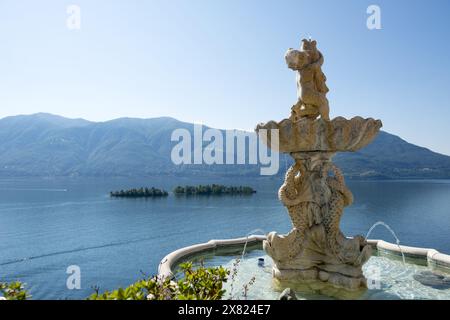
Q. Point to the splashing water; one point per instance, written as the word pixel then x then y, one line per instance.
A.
pixel 397 240
pixel 238 261
pixel 251 233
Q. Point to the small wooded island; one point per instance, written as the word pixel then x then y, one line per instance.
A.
pixel 213 189
pixel 139 193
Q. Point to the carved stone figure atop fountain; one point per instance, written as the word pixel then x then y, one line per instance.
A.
pixel 311 87
pixel 314 191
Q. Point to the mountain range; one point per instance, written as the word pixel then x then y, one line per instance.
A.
pixel 47 145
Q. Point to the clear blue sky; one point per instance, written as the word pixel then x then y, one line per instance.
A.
pixel 222 63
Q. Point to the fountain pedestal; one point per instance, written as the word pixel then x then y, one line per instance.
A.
pixel 315 195
pixel 314 191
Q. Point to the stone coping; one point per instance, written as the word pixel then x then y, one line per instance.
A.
pixel 430 256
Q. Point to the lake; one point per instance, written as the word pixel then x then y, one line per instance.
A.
pixel 47 225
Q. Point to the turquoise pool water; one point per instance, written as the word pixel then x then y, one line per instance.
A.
pixel 388 279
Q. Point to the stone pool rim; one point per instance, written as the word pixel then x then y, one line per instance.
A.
pixel 432 257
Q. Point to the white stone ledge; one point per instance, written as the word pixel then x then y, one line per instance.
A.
pixel 431 256
pixel 407 251
pixel 167 263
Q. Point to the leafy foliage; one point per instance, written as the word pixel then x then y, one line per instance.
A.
pixel 197 284
pixel 13 291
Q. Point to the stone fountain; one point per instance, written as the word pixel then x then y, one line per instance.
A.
pixel 314 191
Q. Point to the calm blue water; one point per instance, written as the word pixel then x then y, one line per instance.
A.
pixel 48 225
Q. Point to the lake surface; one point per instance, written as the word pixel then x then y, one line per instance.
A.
pixel 47 225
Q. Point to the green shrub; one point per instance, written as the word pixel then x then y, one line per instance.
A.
pixel 197 284
pixel 13 291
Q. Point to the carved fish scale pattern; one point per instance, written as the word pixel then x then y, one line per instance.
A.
pixel 305 214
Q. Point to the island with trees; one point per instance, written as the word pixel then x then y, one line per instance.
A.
pixel 213 189
pixel 139 193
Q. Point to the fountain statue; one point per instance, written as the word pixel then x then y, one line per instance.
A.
pixel 314 191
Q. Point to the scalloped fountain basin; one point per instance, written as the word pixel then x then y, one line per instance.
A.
pixel 425 275
pixel 308 135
